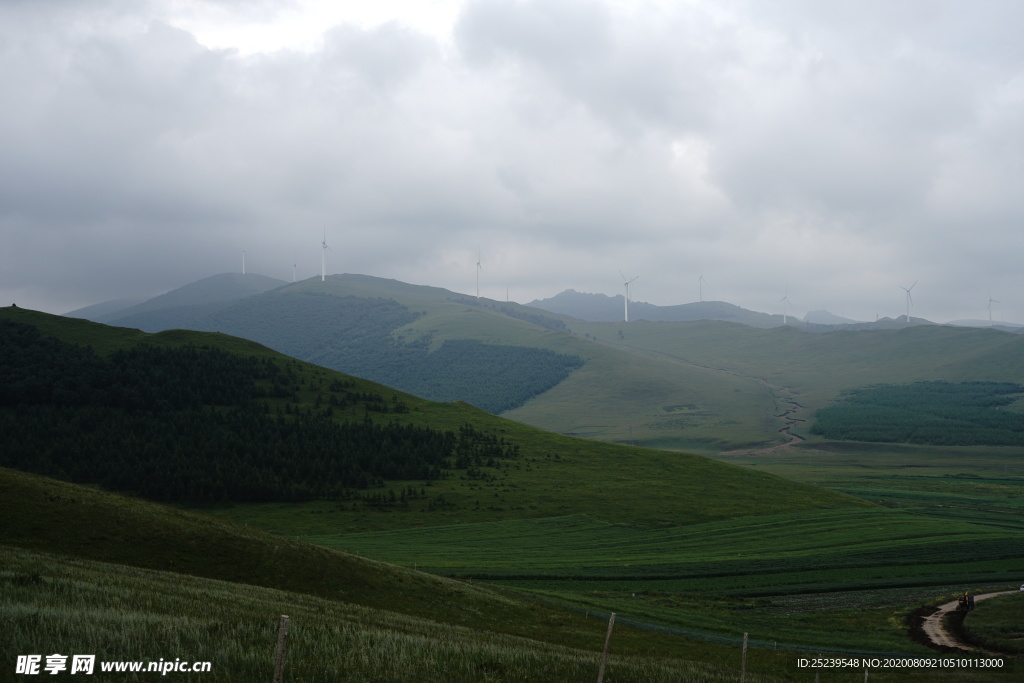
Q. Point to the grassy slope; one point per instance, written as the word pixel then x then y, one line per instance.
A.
pixel 555 475
pixel 582 546
pixel 839 578
pixel 95 603
pixel 650 383
pixel 818 366
pixel 610 482
pixel 998 623
pixel 811 368
pixel 352 619
pixel 616 396
pixel 706 385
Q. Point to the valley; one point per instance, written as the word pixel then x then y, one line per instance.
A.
pixel 804 543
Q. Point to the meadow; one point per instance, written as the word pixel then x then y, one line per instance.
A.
pixel 530 554
pixel 997 624
pixel 979 484
pixel 750 570
pixel 60 605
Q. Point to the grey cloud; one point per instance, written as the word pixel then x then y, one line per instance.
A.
pixel 648 70
pixel 836 150
pixel 383 56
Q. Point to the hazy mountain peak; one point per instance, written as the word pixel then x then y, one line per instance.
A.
pixel 823 317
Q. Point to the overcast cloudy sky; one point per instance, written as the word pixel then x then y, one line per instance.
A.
pixel 831 151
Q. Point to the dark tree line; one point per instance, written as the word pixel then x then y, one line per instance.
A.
pixel 936 413
pixel 193 425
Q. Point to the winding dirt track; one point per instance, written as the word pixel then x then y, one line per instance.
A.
pixel 935 630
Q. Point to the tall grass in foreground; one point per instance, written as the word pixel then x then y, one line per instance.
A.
pixel 56 605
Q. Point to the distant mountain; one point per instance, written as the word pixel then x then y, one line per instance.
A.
pixel 104 309
pixel 611 309
pixel 348 323
pixel 822 317
pixel 1007 327
pixel 184 304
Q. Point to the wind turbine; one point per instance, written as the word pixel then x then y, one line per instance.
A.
pixel 323 257
pixel 910 299
pixel 295 265
pixel 700 286
pixel 785 300
pixel 990 302
pixel 627 283
pixel 478 268
pixel 243 262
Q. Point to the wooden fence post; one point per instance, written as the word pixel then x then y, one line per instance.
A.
pixel 282 642
pixel 604 655
pixel 743 662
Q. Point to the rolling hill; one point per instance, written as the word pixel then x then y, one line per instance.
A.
pixel 180 305
pixel 703 385
pixel 85 570
pixel 182 407
pixel 611 309
pixel 812 369
pixel 496 355
pixel 601 526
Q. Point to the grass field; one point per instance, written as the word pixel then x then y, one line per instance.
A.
pixel 998 624
pixel 109 592
pixel 983 485
pixel 748 568
pixel 702 550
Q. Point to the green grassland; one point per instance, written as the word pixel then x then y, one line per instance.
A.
pixel 812 368
pixel 84 571
pixel 88 572
pixel 977 484
pixel 667 575
pixel 654 535
pixel 616 395
pixel 554 475
pixel 59 605
pixel 703 386
pixel 998 624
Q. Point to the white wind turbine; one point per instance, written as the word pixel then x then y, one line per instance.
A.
pixel 323 257
pixel 627 283
pixel 910 299
pixel 700 286
pixel 785 300
pixel 478 268
pixel 990 302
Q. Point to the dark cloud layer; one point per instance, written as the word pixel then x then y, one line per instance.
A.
pixel 835 149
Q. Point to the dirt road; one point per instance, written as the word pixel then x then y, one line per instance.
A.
pixel 935 630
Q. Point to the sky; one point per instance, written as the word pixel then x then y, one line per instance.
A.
pixel 829 154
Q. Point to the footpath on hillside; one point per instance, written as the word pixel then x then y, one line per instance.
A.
pixel 934 626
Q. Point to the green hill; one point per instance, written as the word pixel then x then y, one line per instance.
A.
pixel 496 355
pixel 213 418
pixel 795 367
pixel 603 308
pixel 182 304
pixel 87 571
pixel 702 385
pixel 655 536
